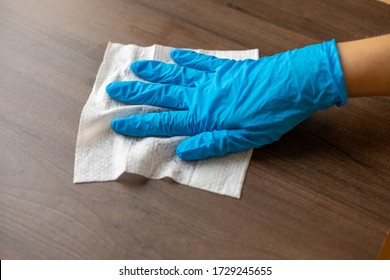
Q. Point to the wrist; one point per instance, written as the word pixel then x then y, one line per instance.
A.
pixel 366 66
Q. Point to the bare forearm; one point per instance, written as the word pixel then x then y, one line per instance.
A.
pixel 366 66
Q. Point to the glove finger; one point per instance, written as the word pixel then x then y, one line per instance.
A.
pixel 135 92
pixel 215 143
pixel 173 123
pixel 160 72
pixel 196 60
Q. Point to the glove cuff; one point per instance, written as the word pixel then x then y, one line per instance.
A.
pixel 319 75
pixel 336 72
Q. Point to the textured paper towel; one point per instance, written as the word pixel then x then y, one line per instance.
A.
pixel 103 155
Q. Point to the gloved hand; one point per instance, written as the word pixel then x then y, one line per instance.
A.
pixel 226 105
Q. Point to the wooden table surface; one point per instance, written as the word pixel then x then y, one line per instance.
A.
pixel 321 192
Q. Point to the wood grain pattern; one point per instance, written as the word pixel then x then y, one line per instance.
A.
pixel 322 192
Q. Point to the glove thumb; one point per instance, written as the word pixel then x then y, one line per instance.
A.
pixel 214 143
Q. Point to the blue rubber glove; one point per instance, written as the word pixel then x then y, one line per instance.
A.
pixel 227 105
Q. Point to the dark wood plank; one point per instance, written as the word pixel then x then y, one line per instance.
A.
pixel 322 192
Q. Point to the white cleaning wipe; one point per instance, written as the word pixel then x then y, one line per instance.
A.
pixel 103 155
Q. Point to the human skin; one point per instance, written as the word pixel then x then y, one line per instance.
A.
pixel 366 66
